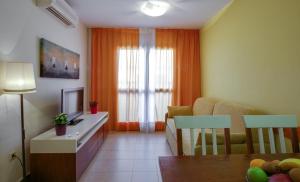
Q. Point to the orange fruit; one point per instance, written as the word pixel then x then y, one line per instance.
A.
pixel 257 163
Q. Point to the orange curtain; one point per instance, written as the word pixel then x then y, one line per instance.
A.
pixel 186 47
pixel 105 43
pixel 160 126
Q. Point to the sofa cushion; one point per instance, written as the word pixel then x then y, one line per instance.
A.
pixel 235 138
pixel 179 111
pixel 255 138
pixel 236 111
pixel 203 106
pixel 235 149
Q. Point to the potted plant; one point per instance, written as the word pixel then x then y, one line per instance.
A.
pixel 93 107
pixel 61 124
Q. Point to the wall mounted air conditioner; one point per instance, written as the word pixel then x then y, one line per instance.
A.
pixel 61 10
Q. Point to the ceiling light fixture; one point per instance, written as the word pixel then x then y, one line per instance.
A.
pixel 155 8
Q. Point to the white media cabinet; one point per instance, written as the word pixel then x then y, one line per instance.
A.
pixel 64 158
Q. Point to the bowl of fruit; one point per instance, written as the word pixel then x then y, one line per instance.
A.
pixel 287 170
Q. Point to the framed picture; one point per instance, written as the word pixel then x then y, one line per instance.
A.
pixel 58 62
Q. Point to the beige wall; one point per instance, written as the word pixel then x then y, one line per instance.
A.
pixel 251 55
pixel 21 26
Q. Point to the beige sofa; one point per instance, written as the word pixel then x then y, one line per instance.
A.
pixel 207 106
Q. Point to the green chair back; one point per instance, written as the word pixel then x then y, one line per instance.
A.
pixel 212 122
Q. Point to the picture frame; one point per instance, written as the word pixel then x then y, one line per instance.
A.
pixel 58 62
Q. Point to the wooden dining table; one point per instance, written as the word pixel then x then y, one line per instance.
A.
pixel 221 168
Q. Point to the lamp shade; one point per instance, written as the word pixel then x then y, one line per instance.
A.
pixel 18 78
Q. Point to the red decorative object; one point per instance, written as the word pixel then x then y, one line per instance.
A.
pixel 60 129
pixel 94 110
pixel 94 107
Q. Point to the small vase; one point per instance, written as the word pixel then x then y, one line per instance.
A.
pixel 60 129
pixel 94 109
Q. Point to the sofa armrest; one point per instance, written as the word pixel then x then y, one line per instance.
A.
pixel 166 118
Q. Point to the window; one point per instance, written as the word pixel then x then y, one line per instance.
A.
pixel 144 85
pixel 160 82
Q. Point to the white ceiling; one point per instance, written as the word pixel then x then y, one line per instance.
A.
pixel 126 13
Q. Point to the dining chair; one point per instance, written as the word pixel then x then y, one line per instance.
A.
pixel 204 123
pixel 269 122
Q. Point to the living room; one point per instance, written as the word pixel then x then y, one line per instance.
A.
pixel 226 57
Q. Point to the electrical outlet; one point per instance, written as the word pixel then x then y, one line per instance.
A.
pixel 12 156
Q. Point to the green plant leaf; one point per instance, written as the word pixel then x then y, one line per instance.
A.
pixel 61 119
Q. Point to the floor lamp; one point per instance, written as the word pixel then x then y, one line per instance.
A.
pixel 19 79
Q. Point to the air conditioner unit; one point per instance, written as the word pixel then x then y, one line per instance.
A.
pixel 61 10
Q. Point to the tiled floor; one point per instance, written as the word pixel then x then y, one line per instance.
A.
pixel 128 157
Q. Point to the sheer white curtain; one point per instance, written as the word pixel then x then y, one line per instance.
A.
pixel 147 43
pixel 145 82
pixel 130 84
pixel 160 82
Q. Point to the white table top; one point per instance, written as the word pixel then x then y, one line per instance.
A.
pixel 74 132
pixel 67 143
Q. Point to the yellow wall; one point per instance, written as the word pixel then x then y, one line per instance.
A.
pixel 251 55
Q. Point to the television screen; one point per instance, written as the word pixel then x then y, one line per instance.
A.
pixel 72 102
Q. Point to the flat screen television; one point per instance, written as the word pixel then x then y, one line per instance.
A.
pixel 72 103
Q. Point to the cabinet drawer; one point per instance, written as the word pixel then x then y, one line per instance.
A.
pixel 86 154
